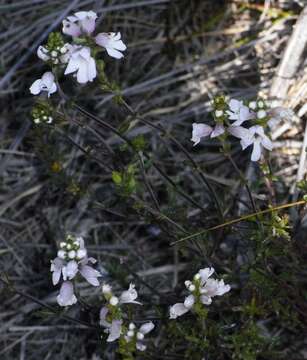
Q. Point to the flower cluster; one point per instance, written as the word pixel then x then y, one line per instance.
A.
pixel 135 336
pixel 42 113
pixel 202 289
pixel 111 316
pixel 229 117
pixel 79 56
pixel 72 259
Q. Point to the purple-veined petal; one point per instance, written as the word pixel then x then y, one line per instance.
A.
pixel 90 274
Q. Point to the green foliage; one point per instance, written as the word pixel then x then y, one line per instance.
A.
pixel 125 180
pixel 55 41
pixel 248 343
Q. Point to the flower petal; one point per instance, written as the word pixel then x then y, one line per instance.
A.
pixel 70 270
pixel 70 28
pixel 115 330
pixel 189 301
pixel 36 87
pixel 147 327
pixel 217 130
pixel 256 153
pixel 103 314
pixel 199 131
pixel 66 296
pixel 42 53
pixel 177 310
pixel 129 296
pixel 56 269
pixel 90 274
pixel 206 300
pixel 205 274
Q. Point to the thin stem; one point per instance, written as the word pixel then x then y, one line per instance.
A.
pixel 123 137
pixel 46 306
pixel 181 147
pixel 229 157
pixel 245 217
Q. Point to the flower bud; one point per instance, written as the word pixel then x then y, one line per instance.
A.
pixel 131 326
pixel 197 276
pixel 261 114
pixel 130 333
pixel 219 113
pixel 140 336
pixel 72 254
pixel 106 289
pixel 192 287
pixel 252 105
pixel 187 283
pixel 114 300
pixel 62 244
pixel 260 104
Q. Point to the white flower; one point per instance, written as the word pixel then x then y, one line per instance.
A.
pixel 106 289
pixel 114 300
pixel 238 112
pixel 80 22
pixel 61 55
pixel 214 288
pixel 253 136
pixel 202 130
pixel 81 62
pixel 143 330
pixel 205 274
pixel 66 296
pixel 42 53
pixel 129 296
pixel 46 83
pixel 112 43
pixel 206 287
pixel 69 269
pixel 114 328
pixel 178 309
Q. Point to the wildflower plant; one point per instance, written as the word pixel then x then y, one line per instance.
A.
pixel 172 211
pixel 247 120
pixel 202 289
pixel 72 260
